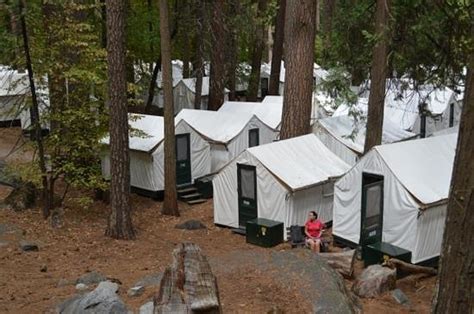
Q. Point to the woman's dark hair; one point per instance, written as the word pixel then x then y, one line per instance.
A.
pixel 314 213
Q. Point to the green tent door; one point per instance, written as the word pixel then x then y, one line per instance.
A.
pixel 372 209
pixel 183 159
pixel 247 193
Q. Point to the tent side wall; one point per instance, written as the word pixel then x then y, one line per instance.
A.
pixel 271 195
pixel 334 145
pixel 400 210
pixel 440 122
pixel 10 107
pixel 429 237
pixel 318 198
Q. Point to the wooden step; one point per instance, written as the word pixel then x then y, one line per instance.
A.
pixel 186 190
pixel 240 231
pixel 197 201
pixel 189 197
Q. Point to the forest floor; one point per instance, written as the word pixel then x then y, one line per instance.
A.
pixel 80 246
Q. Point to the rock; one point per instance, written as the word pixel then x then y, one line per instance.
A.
pixel 21 197
pixel 81 287
pixel 44 268
pixel 135 291
pixel 374 281
pixel 191 225
pixel 147 308
pixel 150 280
pixel 400 297
pixel 91 278
pixel 27 246
pixel 103 299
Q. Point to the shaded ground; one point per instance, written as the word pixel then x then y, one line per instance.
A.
pixel 80 246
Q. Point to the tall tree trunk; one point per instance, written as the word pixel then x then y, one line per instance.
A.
pixel 217 77
pixel 103 14
pixel 170 204
pixel 199 52
pixel 120 221
pixel 35 117
pixel 456 273
pixel 329 7
pixel 232 14
pixel 186 18
pixel 300 36
pixel 277 53
pixel 152 85
pixel 378 74
pixel 257 52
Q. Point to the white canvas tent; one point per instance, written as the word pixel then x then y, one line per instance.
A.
pixel 398 192
pixel 147 154
pixel 14 95
pixel 268 111
pixel 402 107
pixel 345 136
pixel 280 181
pixel 228 133
pixel 184 93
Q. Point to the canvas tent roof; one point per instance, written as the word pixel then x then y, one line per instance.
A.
pixel 152 128
pixel 424 167
pixel 352 133
pixel 191 85
pixel 300 162
pixel 13 83
pixel 217 126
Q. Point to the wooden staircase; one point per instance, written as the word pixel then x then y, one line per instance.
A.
pixel 188 193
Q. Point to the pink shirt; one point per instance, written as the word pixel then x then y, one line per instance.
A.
pixel 314 228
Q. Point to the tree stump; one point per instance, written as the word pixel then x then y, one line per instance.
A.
pixel 342 262
pixel 188 285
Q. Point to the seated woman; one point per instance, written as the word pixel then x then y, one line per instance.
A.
pixel 313 229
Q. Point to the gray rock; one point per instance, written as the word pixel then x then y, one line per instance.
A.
pixel 21 197
pixel 91 278
pixel 374 281
pixel 150 280
pixel 147 308
pixel 136 291
pixel 103 299
pixel 191 225
pixel 27 246
pixel 81 287
pixel 400 297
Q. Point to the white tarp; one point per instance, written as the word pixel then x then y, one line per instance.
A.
pixel 268 111
pixel 339 131
pixel 228 133
pixel 301 163
pixel 184 93
pixel 413 172
pixel 147 152
pixel 402 107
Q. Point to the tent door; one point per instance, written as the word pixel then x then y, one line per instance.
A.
pixel 183 159
pixel 372 209
pixel 247 193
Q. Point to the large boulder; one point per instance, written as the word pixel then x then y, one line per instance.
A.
pixel 374 281
pixel 21 197
pixel 103 299
pixel 91 278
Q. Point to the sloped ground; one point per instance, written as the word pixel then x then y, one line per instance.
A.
pixel 247 283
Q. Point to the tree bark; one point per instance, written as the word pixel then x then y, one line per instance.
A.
pixel 257 52
pixel 170 204
pixel 300 36
pixel 378 74
pixel 232 14
pixel 120 221
pixel 456 280
pixel 217 77
pixel 199 52
pixel 151 87
pixel 277 51
pixel 34 111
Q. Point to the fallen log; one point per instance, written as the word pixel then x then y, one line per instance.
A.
pixel 342 262
pixel 188 285
pixel 410 268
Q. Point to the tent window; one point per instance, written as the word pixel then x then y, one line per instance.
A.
pixel 247 183
pixel 451 115
pixel 374 208
pixel 254 137
pixel 182 148
pixel 423 126
pixel 264 83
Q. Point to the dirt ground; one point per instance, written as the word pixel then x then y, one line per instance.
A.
pixel 80 246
